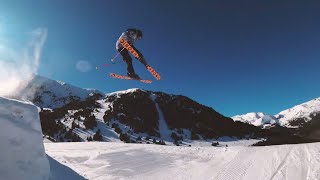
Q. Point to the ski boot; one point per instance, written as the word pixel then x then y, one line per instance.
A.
pixel 133 75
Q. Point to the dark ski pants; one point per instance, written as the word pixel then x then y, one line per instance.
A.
pixel 127 58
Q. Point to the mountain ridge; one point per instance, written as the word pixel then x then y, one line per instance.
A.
pixel 129 115
pixel 286 118
pixel 142 116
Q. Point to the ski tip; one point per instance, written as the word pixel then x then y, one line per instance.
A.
pixel 145 81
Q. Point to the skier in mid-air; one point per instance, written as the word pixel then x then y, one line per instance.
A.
pixel 131 35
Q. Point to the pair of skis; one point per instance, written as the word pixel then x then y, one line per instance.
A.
pixel 132 50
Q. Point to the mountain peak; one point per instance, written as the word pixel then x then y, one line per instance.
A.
pixel 303 110
pixel 285 117
pixel 256 118
pixel 45 92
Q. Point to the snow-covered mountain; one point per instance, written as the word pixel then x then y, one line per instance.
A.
pixel 302 111
pixel 257 119
pixel 137 115
pixel 294 117
pixel 69 113
pixel 135 112
pixel 48 93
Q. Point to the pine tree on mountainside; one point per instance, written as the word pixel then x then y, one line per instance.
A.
pixel 97 136
pixel 194 136
pixel 124 137
pixel 90 122
pixel 74 125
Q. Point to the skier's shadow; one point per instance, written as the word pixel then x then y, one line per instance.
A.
pixel 59 171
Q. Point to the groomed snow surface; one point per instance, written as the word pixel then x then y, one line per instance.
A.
pixel 111 160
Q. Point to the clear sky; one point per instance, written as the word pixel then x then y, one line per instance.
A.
pixel 234 56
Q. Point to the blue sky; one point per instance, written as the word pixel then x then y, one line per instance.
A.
pixel 234 56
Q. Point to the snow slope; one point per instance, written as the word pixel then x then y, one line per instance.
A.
pixel 304 110
pixel 22 154
pixel 164 130
pixel 110 160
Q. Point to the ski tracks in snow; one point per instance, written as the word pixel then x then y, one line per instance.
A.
pixel 285 162
pixel 282 167
pixel 237 167
pixel 314 162
pixel 131 164
pixel 297 164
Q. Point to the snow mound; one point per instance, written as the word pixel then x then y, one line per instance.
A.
pixel 22 152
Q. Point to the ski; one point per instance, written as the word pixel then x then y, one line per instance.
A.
pixel 153 72
pixel 137 55
pixel 113 75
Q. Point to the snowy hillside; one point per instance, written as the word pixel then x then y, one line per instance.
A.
pixel 104 161
pixel 49 93
pixel 22 154
pixel 285 118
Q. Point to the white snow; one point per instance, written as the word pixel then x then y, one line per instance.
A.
pixel 110 160
pixel 22 154
pixel 59 171
pixel 119 93
pixel 223 141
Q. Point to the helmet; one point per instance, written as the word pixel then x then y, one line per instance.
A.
pixel 139 33
pixel 136 31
